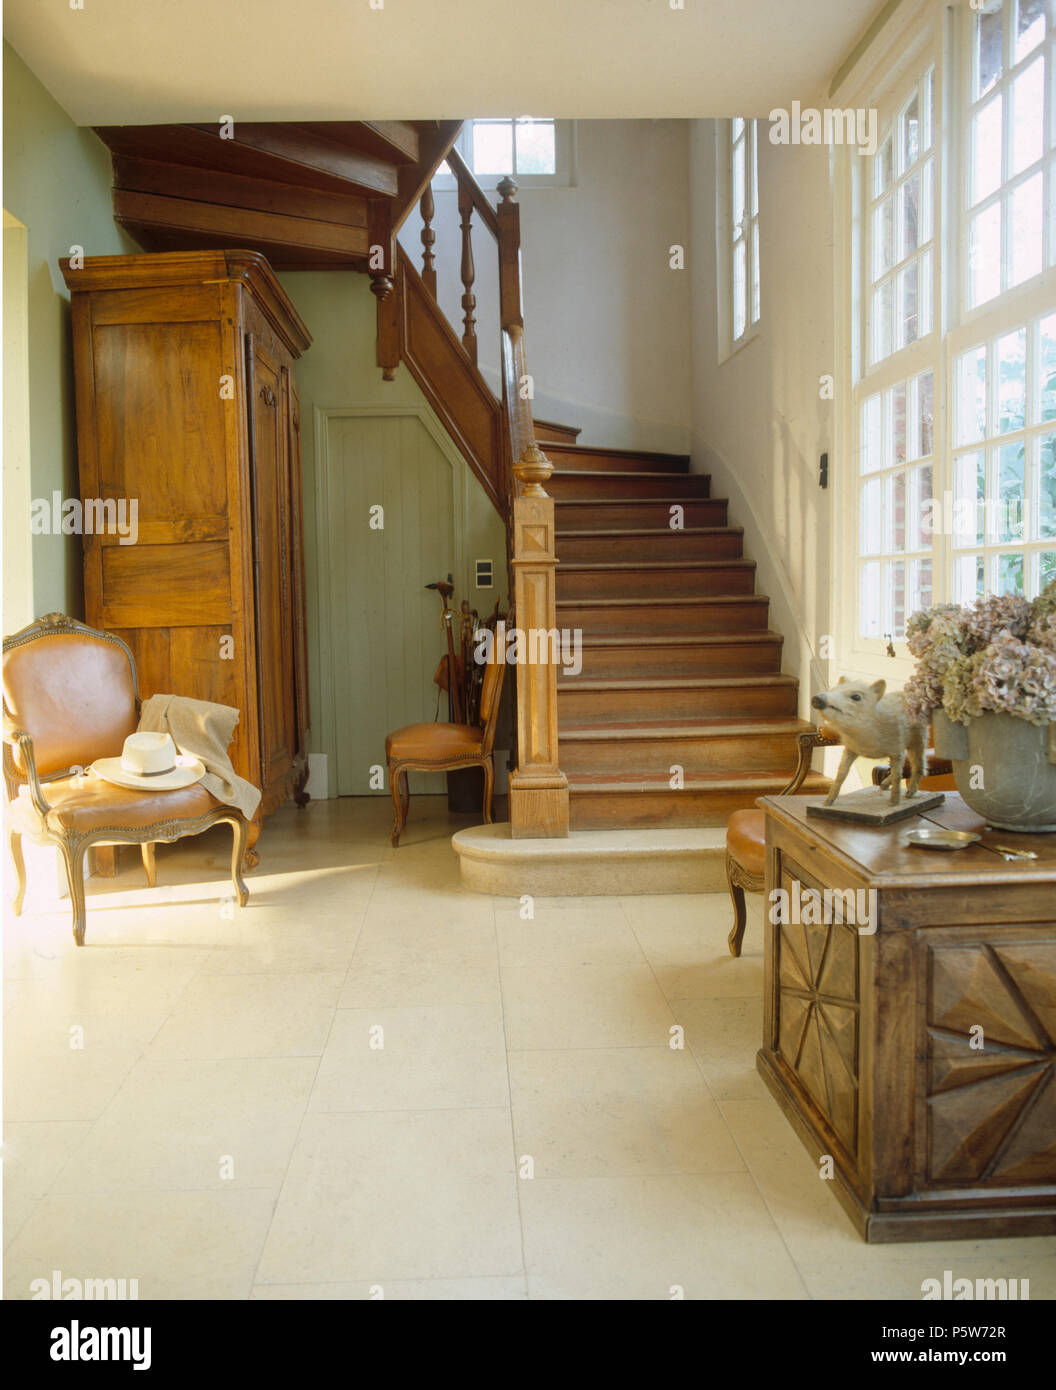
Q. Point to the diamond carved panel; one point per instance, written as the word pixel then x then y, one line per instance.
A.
pixel 992 1107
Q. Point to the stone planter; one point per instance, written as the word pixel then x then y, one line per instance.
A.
pixel 1011 763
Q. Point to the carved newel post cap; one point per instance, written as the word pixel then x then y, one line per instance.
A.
pixel 381 286
pixel 507 189
pixel 532 469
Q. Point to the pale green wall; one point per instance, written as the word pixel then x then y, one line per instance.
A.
pixel 57 183
pixel 339 369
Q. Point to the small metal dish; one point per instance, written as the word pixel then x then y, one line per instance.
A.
pixel 942 839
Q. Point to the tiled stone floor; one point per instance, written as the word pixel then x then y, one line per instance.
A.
pixel 228 1131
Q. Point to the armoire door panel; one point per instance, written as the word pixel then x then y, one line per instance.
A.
pixel 166 585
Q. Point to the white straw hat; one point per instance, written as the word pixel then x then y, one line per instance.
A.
pixel 149 762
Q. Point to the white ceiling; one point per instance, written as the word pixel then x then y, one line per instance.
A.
pixel 137 62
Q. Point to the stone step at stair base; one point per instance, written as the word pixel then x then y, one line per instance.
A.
pixel 601 802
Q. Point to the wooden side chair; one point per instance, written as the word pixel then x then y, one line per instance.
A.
pixel 71 696
pixel 446 747
pixel 746 839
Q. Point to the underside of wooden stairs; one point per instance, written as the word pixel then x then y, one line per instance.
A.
pixel 680 714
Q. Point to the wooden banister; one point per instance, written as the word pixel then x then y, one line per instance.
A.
pixel 465 177
pixel 428 210
pixel 469 299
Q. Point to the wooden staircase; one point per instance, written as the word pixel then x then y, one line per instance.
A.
pixel 680 714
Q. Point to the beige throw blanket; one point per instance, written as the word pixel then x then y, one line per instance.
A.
pixel 204 731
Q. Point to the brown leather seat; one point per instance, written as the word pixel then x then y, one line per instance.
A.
pixel 746 840
pixel 71 697
pixel 433 741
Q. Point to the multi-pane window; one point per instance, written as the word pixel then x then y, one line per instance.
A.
pixel 1003 518
pixel 1011 132
pixel 895 523
pixel 743 228
pixel 526 145
pixel 902 227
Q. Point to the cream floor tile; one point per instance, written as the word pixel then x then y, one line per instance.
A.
pixel 401 1290
pixel 17 1209
pixel 445 964
pixel 559 937
pixel 191 1245
pixel 35 1153
pixel 439 1057
pixel 329 890
pixel 637 1238
pixel 376 1196
pixel 45 1078
pixel 427 912
pixel 617 1112
pixel 111 980
pixel 759 1128
pixel 657 914
pixel 34 944
pixel 287 1015
pixel 584 1006
pixel 193 1125
pixel 903 1279
pixel 724 1035
pixel 254 947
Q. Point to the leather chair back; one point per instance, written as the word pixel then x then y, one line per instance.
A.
pixel 73 690
pixel 491 689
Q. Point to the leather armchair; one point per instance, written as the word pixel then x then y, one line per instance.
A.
pixel 746 839
pixel 70 697
pixel 446 747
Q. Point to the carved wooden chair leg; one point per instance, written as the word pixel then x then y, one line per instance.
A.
pixel 14 839
pixel 73 859
pixel 147 851
pixel 399 806
pixel 405 789
pixel 740 911
pixel 238 854
pixel 489 779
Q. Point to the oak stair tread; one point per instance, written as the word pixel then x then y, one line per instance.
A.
pixel 733 562
pixel 654 531
pixel 726 779
pixel 658 602
pixel 646 730
pixel 683 639
pixel 679 461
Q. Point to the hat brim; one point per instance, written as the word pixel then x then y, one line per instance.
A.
pixel 184 774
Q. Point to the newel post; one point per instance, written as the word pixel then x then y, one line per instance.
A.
pixel 538 787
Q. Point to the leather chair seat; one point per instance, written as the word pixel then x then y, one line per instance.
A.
pixel 746 840
pixel 433 742
pixel 99 804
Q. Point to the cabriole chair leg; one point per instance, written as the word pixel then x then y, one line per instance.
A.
pixel 14 839
pixel 740 911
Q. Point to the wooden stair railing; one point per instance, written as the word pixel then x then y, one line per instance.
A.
pixel 497 439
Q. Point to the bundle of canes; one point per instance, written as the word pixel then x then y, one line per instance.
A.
pixel 455 706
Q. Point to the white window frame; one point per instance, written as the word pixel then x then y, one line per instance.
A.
pixel 727 236
pixel 902 53
pixel 566 155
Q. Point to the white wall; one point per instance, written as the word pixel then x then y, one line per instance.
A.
pixel 607 320
pixel 759 424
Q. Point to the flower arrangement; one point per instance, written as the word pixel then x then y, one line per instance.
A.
pixel 999 656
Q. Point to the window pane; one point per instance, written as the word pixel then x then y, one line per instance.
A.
pixel 908 327
pixel 738 209
pixel 969 492
pixel 1010 481
pixel 870 600
pixel 1047 368
pixel 736 127
pixel 968 578
pixel 896 588
pixel 872 442
pixel 910 124
pixel 1012 381
pixel 895 508
pixel 753 134
pixel 926 122
pixel 738 289
pixel 1010 574
pixel 924 407
pixel 1028 115
pixel 755 272
pixel 970 419
pixel 1026 229
pixel 920 586
pixel 883 237
pixel 919 509
pixel 1046 527
pixel 535 147
pixel 908 199
pixel 1048 567
pixel 883 319
pixel 1030 26
pixel 492 147
pixel 882 168
pixel 925 293
pixel 988 63
pixel 984 255
pixel 986 150
pixel 895 403
pixel 871 527
pixel 927 181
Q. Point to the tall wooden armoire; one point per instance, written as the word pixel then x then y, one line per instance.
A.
pixel 186 404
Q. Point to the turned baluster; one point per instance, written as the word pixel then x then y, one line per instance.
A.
pixel 469 299
pixel 428 238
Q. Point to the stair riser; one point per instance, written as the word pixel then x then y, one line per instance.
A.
pixel 590 516
pixel 630 810
pixel 731 615
pixel 675 583
pixel 612 463
pixel 724 702
pixel 633 486
pixel 693 659
pixel 618 756
pixel 724 545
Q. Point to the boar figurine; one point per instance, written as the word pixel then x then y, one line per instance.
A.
pixel 871 724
